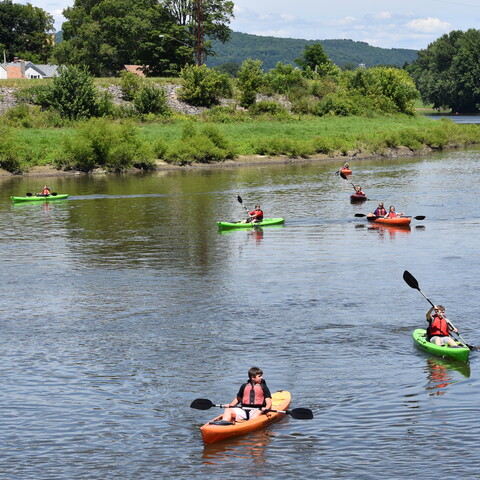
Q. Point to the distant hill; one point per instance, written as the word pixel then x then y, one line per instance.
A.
pixel 271 50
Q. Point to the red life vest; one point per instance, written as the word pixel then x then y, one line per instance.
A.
pixel 438 327
pixel 253 395
pixel 392 215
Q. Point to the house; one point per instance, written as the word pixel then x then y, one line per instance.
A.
pixel 136 69
pixel 21 69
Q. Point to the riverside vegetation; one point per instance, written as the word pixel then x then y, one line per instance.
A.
pixel 76 122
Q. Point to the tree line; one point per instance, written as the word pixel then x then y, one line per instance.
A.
pixel 103 36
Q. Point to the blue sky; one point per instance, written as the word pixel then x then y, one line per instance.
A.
pixel 389 24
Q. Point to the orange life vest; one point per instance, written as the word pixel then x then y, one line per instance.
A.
pixel 438 327
pixel 253 395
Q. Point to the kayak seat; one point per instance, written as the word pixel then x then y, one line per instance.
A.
pixel 220 422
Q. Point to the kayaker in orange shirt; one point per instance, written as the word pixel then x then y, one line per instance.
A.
pixel 253 394
pixel 439 327
pixel 392 213
pixel 46 191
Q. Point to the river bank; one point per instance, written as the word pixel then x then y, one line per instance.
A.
pixel 241 161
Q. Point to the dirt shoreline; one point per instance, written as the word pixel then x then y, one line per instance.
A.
pixel 241 161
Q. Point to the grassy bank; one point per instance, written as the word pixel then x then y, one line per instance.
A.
pixel 305 137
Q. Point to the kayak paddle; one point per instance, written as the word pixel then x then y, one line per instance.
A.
pixel 418 217
pixel 239 198
pixel 412 282
pixel 345 178
pixel 297 413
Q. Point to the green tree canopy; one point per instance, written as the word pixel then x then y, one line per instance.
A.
pixel 105 35
pixel 447 73
pixel 25 31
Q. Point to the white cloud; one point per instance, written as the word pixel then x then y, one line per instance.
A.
pixel 288 18
pixel 384 15
pixel 428 25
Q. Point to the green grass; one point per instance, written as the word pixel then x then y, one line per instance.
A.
pixel 305 137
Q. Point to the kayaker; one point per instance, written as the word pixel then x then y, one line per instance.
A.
pixel 392 213
pixel 439 327
pixel 46 191
pixel 358 190
pixel 346 166
pixel 254 394
pixel 255 216
pixel 380 211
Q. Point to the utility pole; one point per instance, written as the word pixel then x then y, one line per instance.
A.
pixel 199 31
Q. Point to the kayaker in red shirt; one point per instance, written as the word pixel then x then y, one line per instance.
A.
pixel 392 213
pixel 358 190
pixel 256 215
pixel 439 327
pixel 253 394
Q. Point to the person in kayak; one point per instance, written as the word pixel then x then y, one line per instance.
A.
pixel 380 211
pixel 253 394
pixel 358 190
pixel 346 166
pixel 392 213
pixel 439 327
pixel 255 216
pixel 45 191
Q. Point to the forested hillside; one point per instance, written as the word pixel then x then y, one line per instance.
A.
pixel 271 50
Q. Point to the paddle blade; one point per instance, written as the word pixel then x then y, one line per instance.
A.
pixel 202 404
pixel 54 194
pixel 410 280
pixel 29 194
pixel 239 198
pixel 343 176
pixel 419 217
pixel 301 413
pixel 359 215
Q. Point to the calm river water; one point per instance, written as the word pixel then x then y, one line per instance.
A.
pixel 124 303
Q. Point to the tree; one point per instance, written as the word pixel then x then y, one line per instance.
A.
pixel 250 78
pixel 215 18
pixel 313 56
pixel 105 35
pixel 25 31
pixel 447 73
pixel 392 84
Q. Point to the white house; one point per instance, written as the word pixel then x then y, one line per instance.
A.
pixel 22 69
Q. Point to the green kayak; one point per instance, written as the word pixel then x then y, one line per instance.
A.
pixel 459 353
pixel 264 223
pixel 40 198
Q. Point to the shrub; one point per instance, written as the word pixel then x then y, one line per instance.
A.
pixel 74 93
pixel 130 84
pixel 250 78
pixel 283 78
pixel 266 107
pixel 101 143
pixel 151 99
pixel 11 157
pixel 203 87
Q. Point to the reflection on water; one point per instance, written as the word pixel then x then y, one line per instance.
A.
pixel 390 230
pixel 441 373
pixel 251 447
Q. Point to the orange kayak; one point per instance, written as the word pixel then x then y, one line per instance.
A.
pixel 215 433
pixel 345 171
pixel 398 221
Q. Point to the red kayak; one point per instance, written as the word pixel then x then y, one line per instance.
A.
pixel 358 198
pixel 398 221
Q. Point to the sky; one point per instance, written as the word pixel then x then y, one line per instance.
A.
pixel 412 24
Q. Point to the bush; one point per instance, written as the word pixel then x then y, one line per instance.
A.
pixel 283 78
pixel 265 107
pixel 250 78
pixel 74 94
pixel 151 99
pixel 11 158
pixel 130 84
pixel 101 143
pixel 204 87
pixel 208 145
